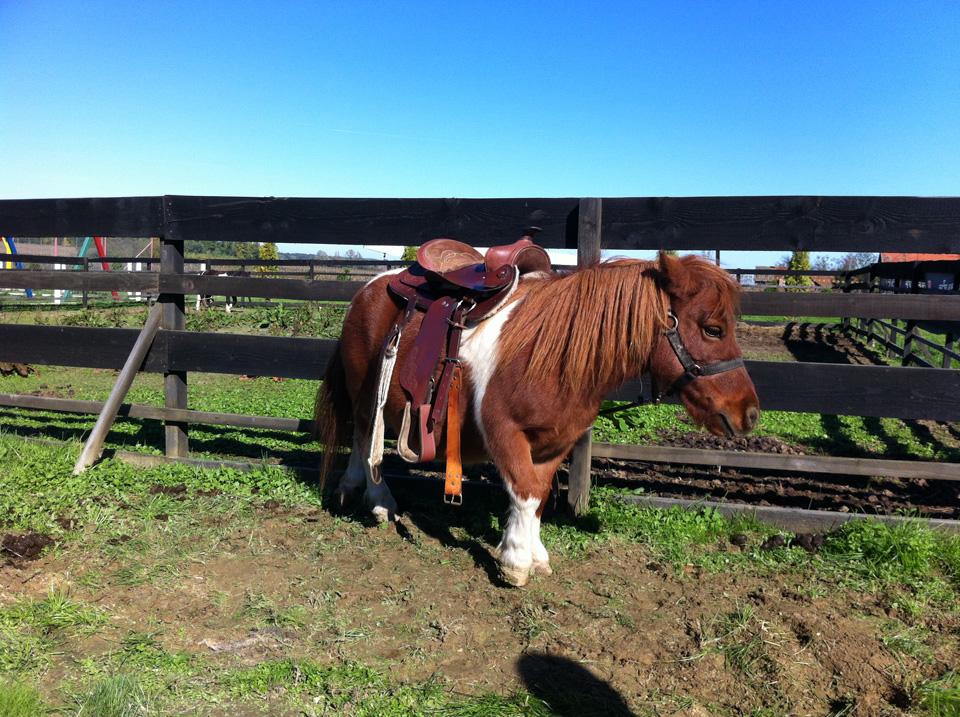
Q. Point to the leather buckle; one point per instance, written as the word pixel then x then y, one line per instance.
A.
pixel 453 489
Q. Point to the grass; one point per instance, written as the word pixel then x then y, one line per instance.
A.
pixel 129 534
pixel 941 697
pixel 116 696
pixel 20 700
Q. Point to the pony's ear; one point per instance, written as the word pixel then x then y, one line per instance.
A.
pixel 675 277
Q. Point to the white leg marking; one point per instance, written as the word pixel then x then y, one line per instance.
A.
pixel 516 548
pixel 541 558
pixel 378 497
pixel 478 350
pixel 352 479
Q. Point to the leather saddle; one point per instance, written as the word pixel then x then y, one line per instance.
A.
pixel 452 284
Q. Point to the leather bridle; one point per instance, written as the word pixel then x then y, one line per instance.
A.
pixel 692 369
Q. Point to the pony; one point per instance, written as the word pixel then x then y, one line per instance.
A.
pixel 535 374
pixel 206 300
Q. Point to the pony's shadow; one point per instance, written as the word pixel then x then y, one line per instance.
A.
pixel 569 688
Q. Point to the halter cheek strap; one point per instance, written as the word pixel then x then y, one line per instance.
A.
pixel 691 369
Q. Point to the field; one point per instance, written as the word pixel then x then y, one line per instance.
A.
pixel 176 590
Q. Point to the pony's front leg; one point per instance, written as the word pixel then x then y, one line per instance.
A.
pixel 521 552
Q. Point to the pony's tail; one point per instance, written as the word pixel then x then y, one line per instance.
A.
pixel 332 413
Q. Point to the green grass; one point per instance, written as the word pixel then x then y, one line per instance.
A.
pixel 115 696
pixel 941 697
pixel 20 700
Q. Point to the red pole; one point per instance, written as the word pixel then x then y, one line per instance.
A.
pixel 101 252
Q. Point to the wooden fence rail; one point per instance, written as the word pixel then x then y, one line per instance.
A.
pixel 725 223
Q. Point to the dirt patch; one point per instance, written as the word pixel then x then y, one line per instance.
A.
pixel 19 369
pixel 23 547
pixel 613 631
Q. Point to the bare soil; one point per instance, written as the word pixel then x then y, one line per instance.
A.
pixel 614 630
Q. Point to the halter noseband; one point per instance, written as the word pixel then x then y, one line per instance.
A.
pixel 691 369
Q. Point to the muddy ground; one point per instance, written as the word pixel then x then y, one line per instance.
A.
pixel 615 631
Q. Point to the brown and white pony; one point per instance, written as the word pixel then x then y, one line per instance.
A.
pixel 535 374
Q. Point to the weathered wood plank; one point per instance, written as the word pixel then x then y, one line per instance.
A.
pixel 79 280
pixel 483 222
pixel 840 389
pixel 589 221
pixel 924 224
pixel 102 216
pixel 866 306
pixel 779 462
pixel 158 413
pixel 302 289
pixel 806 387
pixel 798 520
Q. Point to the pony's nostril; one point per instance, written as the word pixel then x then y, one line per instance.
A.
pixel 752 416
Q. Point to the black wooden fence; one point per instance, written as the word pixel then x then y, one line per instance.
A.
pixel 724 223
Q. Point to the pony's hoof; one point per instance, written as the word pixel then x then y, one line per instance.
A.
pixel 517 577
pixel 384 515
pixel 542 569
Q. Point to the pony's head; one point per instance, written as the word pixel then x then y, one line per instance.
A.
pixel 697 355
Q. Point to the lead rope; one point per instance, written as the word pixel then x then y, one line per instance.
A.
pixel 387 363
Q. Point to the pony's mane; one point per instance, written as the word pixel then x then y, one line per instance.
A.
pixel 596 327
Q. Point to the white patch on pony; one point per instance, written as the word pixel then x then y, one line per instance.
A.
pixel 353 477
pixel 479 350
pixel 536 275
pixel 388 272
pixel 516 550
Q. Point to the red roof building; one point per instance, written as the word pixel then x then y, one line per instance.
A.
pixel 893 257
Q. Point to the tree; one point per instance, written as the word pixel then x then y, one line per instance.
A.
pixel 409 253
pixel 268 252
pixel 246 250
pixel 856 260
pixel 799 261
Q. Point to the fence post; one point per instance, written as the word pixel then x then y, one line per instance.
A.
pixel 948 341
pixel 588 252
pixel 86 294
pixel 174 319
pixel 908 343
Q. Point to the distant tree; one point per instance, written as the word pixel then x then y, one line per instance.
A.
pixel 822 263
pixel 321 254
pixel 409 253
pixel 799 261
pixel 855 260
pixel 246 250
pixel 268 252
pixel 352 254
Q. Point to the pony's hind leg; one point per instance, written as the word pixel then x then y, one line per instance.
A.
pixel 351 482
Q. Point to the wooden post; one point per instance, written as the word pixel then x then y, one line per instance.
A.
pixel 908 343
pixel 174 319
pixel 588 252
pixel 93 448
pixel 891 338
pixel 86 295
pixel 948 341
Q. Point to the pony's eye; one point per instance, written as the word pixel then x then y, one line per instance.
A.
pixel 714 332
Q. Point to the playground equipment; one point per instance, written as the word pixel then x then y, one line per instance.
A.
pixel 101 252
pixel 10 247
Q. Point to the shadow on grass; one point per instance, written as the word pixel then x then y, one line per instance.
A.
pixel 569 688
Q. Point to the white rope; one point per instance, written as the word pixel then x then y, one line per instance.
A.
pixel 388 361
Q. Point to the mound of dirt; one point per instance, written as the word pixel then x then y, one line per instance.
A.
pixel 26 546
pixel 21 369
pixel 752 443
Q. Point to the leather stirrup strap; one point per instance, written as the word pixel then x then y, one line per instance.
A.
pixel 453 479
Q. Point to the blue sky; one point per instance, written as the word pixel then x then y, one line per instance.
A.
pixel 102 98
